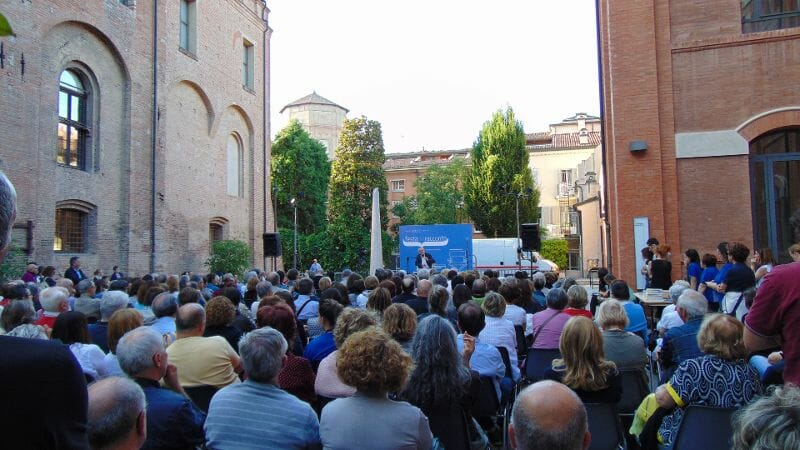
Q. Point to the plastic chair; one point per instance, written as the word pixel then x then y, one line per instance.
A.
pixel 634 390
pixel 605 427
pixel 506 360
pixel 487 404
pixel 201 396
pixel 538 361
pixel 705 427
pixel 449 424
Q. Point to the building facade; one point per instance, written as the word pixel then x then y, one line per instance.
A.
pixel 321 118
pixel 134 131
pixel 702 125
pixel 565 163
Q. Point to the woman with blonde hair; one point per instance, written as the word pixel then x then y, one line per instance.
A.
pixel 583 367
pixel 121 322
pixel 400 321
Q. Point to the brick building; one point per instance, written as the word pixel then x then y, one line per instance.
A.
pixel 702 124
pixel 321 118
pixel 134 131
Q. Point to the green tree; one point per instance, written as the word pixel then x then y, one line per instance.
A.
pixel 499 173
pixel 300 170
pixel 13 267
pixel 357 170
pixel 229 256
pixel 439 199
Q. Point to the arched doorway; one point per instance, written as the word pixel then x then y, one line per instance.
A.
pixel 775 174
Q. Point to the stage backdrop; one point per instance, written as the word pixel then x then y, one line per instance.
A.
pixel 450 245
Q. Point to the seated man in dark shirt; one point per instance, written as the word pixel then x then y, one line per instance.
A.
pixel 173 421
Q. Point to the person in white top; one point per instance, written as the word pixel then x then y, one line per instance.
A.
pixel 669 315
pixel 499 332
pixel 762 263
pixel 72 329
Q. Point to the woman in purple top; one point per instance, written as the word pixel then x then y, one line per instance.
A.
pixel 548 324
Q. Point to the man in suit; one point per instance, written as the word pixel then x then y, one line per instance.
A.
pixel 74 272
pixel 424 260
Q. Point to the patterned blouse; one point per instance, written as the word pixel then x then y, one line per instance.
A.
pixel 709 381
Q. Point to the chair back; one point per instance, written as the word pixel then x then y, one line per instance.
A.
pixel 522 344
pixel 539 360
pixel 449 424
pixel 487 404
pixel 634 390
pixel 605 427
pixel 201 396
pixel 506 360
pixel 705 427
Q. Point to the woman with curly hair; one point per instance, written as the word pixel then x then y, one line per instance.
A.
pixel 220 314
pixel 441 384
pixel 296 375
pixel 400 321
pixel 328 383
pixel 583 367
pixel 375 365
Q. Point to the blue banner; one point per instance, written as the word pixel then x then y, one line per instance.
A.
pixel 449 245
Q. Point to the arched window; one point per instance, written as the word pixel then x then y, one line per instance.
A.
pixel 234 166
pixel 73 122
pixel 216 231
pixel 75 221
pixel 775 183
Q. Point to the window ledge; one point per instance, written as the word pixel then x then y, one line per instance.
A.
pixel 250 90
pixel 187 53
pixel 67 166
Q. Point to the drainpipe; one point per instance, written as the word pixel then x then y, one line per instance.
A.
pixel 604 143
pixel 264 116
pixel 154 134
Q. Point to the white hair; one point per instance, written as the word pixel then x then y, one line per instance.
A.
pixel 8 209
pixel 52 297
pixel 111 303
pixel 136 349
pixel 262 352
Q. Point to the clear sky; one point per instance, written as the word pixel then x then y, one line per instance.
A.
pixel 433 71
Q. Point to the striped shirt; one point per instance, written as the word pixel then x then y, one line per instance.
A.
pixel 255 415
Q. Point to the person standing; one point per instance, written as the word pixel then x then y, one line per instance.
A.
pixel 74 272
pixel 424 260
pixel 315 267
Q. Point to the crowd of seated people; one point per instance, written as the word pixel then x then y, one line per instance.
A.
pixel 403 354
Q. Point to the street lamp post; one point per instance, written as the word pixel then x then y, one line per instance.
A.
pixel 293 202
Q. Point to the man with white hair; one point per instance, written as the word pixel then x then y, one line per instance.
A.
pixel 173 421
pixel 680 343
pixel 116 418
pixel 54 301
pixel 86 303
pixel 42 381
pixel 112 302
pixel 549 416
pixel 291 422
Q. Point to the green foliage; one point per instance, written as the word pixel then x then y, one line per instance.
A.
pixel 439 199
pixel 500 171
pixel 13 266
pixel 356 171
pixel 229 256
pixel 555 250
pixel 5 27
pixel 300 165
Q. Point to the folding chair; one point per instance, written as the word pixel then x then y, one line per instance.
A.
pixel 522 344
pixel 605 427
pixel 634 390
pixel 539 360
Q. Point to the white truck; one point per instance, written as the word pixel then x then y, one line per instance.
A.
pixel 501 254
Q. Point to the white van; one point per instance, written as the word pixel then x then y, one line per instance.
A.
pixel 501 254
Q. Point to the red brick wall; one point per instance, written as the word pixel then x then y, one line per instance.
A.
pixel 684 66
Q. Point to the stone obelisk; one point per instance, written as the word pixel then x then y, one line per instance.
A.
pixel 375 243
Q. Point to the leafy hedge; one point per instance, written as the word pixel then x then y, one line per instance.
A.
pixel 229 256
pixel 555 250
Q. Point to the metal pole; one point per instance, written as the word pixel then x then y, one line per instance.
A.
pixel 294 259
pixel 517 198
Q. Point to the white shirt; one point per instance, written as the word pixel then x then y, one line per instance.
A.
pixel 91 359
pixel 515 314
pixel 669 318
pixel 499 332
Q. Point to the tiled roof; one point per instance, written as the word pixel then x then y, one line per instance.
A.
pixel 313 99
pixel 422 159
pixel 563 141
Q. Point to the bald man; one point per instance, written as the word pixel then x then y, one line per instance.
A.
pixel 549 416
pixel 116 418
